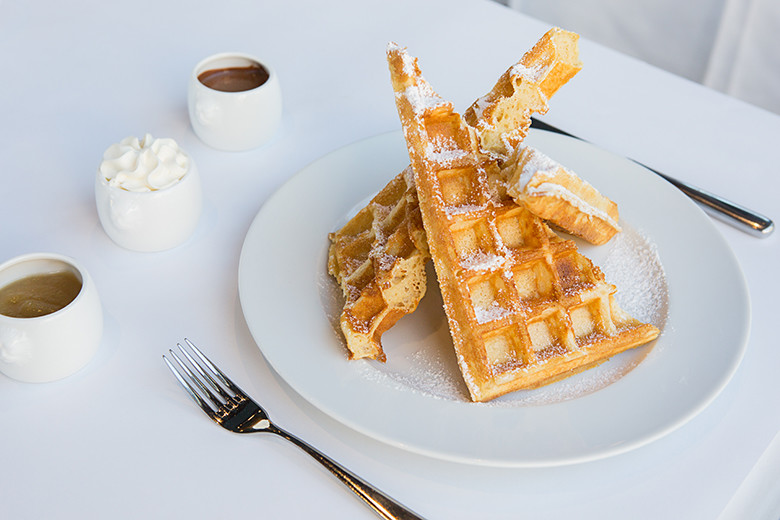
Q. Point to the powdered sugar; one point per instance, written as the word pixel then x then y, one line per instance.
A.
pixel 451 211
pixel 556 190
pixel 492 313
pixel 422 97
pixel 533 74
pixel 535 163
pixel 445 156
pixel 631 262
pixel 481 261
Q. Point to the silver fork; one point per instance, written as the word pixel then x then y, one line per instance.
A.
pixel 234 410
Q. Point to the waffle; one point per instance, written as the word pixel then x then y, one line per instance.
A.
pixel 502 117
pixel 381 286
pixel 558 195
pixel 524 308
pixel 378 259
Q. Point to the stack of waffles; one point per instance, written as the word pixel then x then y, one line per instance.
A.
pixel 523 306
pixel 379 256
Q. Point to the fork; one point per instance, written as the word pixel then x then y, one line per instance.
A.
pixel 234 410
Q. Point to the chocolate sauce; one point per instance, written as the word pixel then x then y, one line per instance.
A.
pixel 234 79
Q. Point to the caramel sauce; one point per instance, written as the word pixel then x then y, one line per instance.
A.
pixel 234 79
pixel 39 294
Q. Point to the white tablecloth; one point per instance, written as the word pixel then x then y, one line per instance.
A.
pixel 729 45
pixel 119 439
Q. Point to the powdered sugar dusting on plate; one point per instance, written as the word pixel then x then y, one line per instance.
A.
pixel 632 264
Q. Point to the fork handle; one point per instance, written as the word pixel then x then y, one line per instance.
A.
pixel 382 504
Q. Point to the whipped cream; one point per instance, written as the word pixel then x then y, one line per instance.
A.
pixel 542 167
pixel 146 164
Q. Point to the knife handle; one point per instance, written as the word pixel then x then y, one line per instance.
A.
pixel 739 216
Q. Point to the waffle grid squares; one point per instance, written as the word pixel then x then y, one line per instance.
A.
pixel 535 298
pixel 378 259
pixel 530 295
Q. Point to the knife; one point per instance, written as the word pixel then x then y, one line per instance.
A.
pixel 740 217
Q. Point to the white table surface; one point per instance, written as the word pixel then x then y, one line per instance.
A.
pixel 119 439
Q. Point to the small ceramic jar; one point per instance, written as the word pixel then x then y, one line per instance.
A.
pixel 148 194
pixel 235 101
pixel 49 337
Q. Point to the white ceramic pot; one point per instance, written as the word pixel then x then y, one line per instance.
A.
pixel 152 220
pixel 50 347
pixel 234 121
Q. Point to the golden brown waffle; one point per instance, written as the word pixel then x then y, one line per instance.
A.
pixel 380 286
pixel 378 259
pixel 503 116
pixel 556 194
pixel 523 306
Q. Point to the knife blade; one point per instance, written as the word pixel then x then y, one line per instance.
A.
pixel 738 216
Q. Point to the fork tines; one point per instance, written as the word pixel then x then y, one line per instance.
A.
pixel 206 371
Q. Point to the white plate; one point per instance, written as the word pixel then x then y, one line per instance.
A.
pixel 670 264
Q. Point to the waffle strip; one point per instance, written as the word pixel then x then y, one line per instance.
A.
pixel 502 116
pixel 523 306
pixel 379 259
pixel 556 194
